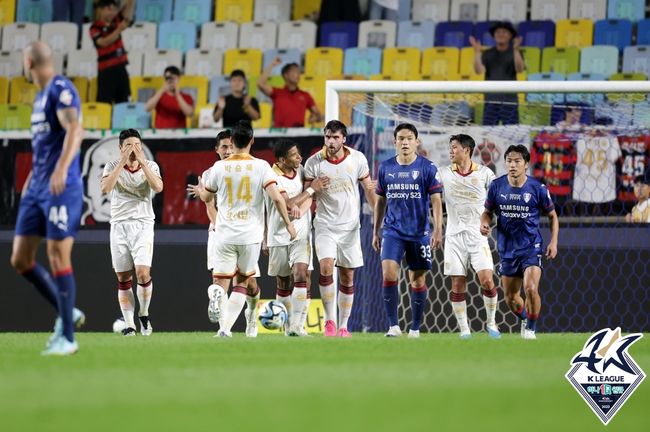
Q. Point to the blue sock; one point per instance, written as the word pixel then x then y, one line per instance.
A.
pixel 42 280
pixel 521 313
pixel 418 301
pixel 67 296
pixel 531 324
pixel 391 301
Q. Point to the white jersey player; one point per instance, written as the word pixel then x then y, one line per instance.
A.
pixel 337 225
pixel 465 186
pixel 132 182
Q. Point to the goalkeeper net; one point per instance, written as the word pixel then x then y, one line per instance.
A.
pixel 588 143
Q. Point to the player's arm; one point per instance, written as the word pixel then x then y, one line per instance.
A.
pixel 436 205
pixel 105 41
pixel 279 203
pixel 69 120
pixel 378 219
pixel 369 191
pixel 211 210
pixel 154 180
pixel 26 184
pixel 310 188
pixel 486 221
pixel 551 250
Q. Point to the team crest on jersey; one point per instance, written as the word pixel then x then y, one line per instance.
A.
pixel 527 197
pixel 65 97
pixel 604 373
pixel 415 174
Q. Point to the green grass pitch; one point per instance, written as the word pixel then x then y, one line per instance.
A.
pixel 192 381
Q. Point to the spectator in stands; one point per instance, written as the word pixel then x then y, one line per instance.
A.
pixel 289 102
pixel 641 211
pixel 106 33
pixel 237 105
pixel 572 116
pixel 172 106
pixel 501 62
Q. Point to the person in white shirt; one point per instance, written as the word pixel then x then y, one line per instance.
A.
pixel 132 182
pixel 641 211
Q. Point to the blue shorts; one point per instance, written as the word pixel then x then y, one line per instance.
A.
pixel 515 267
pixel 418 252
pixel 54 217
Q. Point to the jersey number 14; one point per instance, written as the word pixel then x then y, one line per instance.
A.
pixel 243 190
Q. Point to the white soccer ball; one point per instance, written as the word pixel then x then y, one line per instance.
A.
pixel 119 325
pixel 273 315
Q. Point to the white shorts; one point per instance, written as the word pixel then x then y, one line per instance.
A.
pixel 463 249
pixel 212 244
pixel 229 259
pixel 131 244
pixel 343 246
pixel 282 258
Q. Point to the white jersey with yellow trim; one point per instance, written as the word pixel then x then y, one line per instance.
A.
pixel 239 182
pixel 131 198
pixel 594 180
pixel 338 206
pixel 277 234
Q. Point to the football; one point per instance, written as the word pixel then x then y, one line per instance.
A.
pixel 119 325
pixel 273 315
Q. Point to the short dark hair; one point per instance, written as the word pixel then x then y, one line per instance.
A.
pixel 465 141
pixel 281 148
pixel 238 73
pixel 128 133
pixel 288 66
pixel 336 126
pixel 519 148
pixel 172 70
pixel 105 3
pixel 224 134
pixel 407 126
pixel 242 134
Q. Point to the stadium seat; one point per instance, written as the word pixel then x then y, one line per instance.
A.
pixel 643 32
pixel 637 59
pixel 34 11
pixel 468 10
pixel 96 115
pixel 16 36
pixel 208 63
pixel 194 11
pixel 553 10
pixel 402 63
pixel 155 62
pixel 449 114
pixel 266 116
pixel 535 114
pixel 239 11
pixel 633 10
pixel 325 62
pixel 305 9
pixel 466 65
pixel 453 34
pixel 629 97
pixel 549 98
pixel 136 61
pixel 7 11
pixel 130 116
pixel 532 58
pixel 21 91
pixel 92 90
pixel 315 86
pixel 81 84
pixel 377 33
pixel 153 10
pixel 15 116
pixel 219 86
pixel 564 60
pixel 586 98
pixel 250 61
pixel 259 35
pixel 272 10
pixel 222 36
pixel 481 32
pixel 599 59
pixel 285 55
pixel 507 10
pixel 440 62
pixel 619 113
pixel 540 34
pixel 641 116
pixel 613 32
pixel 588 9
pixel 11 63
pixel 83 63
pixel 61 36
pixel 143 87
pixel 177 35
pixel 300 35
pixel 415 34
pixel 362 61
pixel 577 33
pixel 4 89
pixel 196 86
pixel 86 41
pixel 340 34
pixel 141 36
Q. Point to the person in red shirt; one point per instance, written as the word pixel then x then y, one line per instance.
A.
pixel 289 102
pixel 171 104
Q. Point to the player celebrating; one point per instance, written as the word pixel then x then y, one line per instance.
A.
pixel 52 196
pixel 337 236
pixel 132 182
pixel 465 189
pixel 406 184
pixel 518 201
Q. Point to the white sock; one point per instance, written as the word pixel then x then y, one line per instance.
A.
pixel 233 308
pixel 328 296
pixel 298 301
pixel 144 297
pixel 345 307
pixel 251 301
pixel 305 314
pixel 460 311
pixel 127 305
pixel 286 301
pixel 490 304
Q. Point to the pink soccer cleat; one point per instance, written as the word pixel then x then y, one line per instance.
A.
pixel 330 328
pixel 344 333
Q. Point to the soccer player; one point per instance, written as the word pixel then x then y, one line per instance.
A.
pixel 518 201
pixel 238 183
pixel 132 182
pixel 291 259
pixel 52 196
pixel 337 229
pixel 406 185
pixel 465 189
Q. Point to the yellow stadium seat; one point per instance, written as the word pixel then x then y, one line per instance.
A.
pixel 315 86
pixel 21 91
pixel 248 60
pixel 143 87
pixel 96 115
pixel 15 116
pixel 576 33
pixel 305 9
pixel 81 84
pixel 92 90
pixel 266 116
pixel 197 86
pixel 4 90
pixel 466 65
pixel 440 61
pixel 326 62
pixel 532 58
pixel 403 63
pixel 239 11
pixel 7 11
pixel 627 97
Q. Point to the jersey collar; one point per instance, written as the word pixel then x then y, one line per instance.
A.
pixel 346 153
pixel 278 171
pixel 239 156
pixel 474 167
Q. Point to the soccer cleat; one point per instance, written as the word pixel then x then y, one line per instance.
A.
pixel 493 331
pixel 79 319
pixel 128 332
pixel 223 334
pixel 61 347
pixel 214 305
pixel 344 333
pixel 145 326
pixel 330 328
pixel 523 326
pixel 393 331
pixel 529 334
pixel 414 334
pixel 251 323
pixel 465 335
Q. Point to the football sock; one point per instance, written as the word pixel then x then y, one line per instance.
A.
pixel 460 310
pixel 252 299
pixel 531 323
pixel 490 300
pixel 328 296
pixel 42 280
pixel 144 297
pixel 298 301
pixel 418 302
pixel 391 300
pixel 346 298
pixel 284 297
pixel 305 312
pixel 234 306
pixel 521 312
pixel 67 297
pixel 127 302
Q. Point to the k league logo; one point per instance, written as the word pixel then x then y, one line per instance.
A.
pixel 604 373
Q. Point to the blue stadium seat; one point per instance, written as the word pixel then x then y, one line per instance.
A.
pixel 362 61
pixel 194 11
pixel 291 55
pixel 340 34
pixel 219 86
pixel 153 10
pixel 634 10
pixel 482 32
pixel 613 32
pixel 586 98
pixel 620 113
pixel 601 59
pixel 642 114
pixel 415 34
pixel 453 33
pixel 35 11
pixel 549 98
pixel 178 35
pixel 130 115
pixel 538 34
pixel 448 114
pixel 637 59
pixel 643 32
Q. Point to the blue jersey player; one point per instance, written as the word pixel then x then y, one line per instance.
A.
pixel 406 186
pixel 518 201
pixel 52 197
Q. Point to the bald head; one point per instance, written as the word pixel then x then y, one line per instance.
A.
pixel 38 53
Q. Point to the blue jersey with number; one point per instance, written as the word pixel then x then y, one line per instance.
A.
pixel 518 211
pixel 407 189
